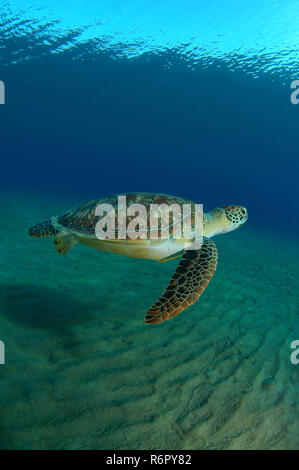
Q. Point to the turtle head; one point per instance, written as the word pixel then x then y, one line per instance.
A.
pixel 225 219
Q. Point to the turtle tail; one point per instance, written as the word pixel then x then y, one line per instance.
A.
pixel 45 229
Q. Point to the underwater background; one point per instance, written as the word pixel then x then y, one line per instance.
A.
pixel 190 98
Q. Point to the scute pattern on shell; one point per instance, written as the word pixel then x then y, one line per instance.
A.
pixel 83 219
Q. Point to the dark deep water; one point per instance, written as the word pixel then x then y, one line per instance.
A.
pixel 102 127
pixel 185 98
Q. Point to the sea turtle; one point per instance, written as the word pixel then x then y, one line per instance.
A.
pixel 196 267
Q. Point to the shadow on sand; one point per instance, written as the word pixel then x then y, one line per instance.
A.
pixel 44 308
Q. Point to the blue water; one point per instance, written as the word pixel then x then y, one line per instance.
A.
pixel 190 98
pixel 187 98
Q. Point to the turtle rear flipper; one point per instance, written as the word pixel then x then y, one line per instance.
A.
pixel 64 243
pixel 45 229
pixel 193 273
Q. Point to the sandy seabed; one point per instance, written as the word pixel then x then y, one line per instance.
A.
pixel 84 372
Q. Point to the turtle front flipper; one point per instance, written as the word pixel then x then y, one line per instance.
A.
pixel 193 274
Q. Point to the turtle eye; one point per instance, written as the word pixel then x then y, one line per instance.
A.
pixel 244 212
